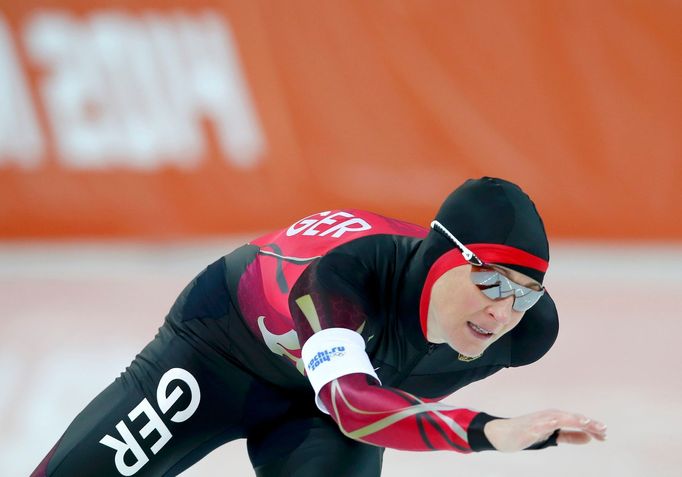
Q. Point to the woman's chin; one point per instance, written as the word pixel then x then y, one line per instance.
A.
pixel 471 350
pixel 471 354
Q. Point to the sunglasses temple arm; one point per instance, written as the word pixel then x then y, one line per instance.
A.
pixel 468 255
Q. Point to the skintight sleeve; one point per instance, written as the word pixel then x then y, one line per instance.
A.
pixel 389 417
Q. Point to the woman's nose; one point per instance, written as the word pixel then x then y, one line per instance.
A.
pixel 501 309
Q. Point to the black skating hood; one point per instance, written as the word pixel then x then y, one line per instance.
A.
pixel 500 224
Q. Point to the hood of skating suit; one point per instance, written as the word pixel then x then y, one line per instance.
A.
pixel 500 224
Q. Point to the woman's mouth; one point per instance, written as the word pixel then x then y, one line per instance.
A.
pixel 478 331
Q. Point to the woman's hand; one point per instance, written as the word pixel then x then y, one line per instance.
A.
pixel 509 435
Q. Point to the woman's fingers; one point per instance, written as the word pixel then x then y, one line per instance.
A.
pixel 577 427
pixel 596 429
pixel 520 432
pixel 573 437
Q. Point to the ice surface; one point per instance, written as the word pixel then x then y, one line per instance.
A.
pixel 75 314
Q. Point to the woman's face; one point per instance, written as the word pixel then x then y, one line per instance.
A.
pixel 464 318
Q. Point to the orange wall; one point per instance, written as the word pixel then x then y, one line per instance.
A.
pixel 160 119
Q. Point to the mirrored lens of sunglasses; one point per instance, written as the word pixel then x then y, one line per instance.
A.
pixel 525 302
pixel 494 285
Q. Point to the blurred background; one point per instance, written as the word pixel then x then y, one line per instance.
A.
pixel 140 140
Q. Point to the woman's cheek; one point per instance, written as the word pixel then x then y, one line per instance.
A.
pixel 475 302
pixel 516 319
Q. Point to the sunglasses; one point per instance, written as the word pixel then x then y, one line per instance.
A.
pixel 492 280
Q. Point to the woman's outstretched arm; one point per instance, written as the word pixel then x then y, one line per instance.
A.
pixel 389 417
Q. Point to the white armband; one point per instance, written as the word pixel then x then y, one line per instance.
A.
pixel 332 353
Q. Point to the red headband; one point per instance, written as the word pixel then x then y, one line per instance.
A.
pixel 490 253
